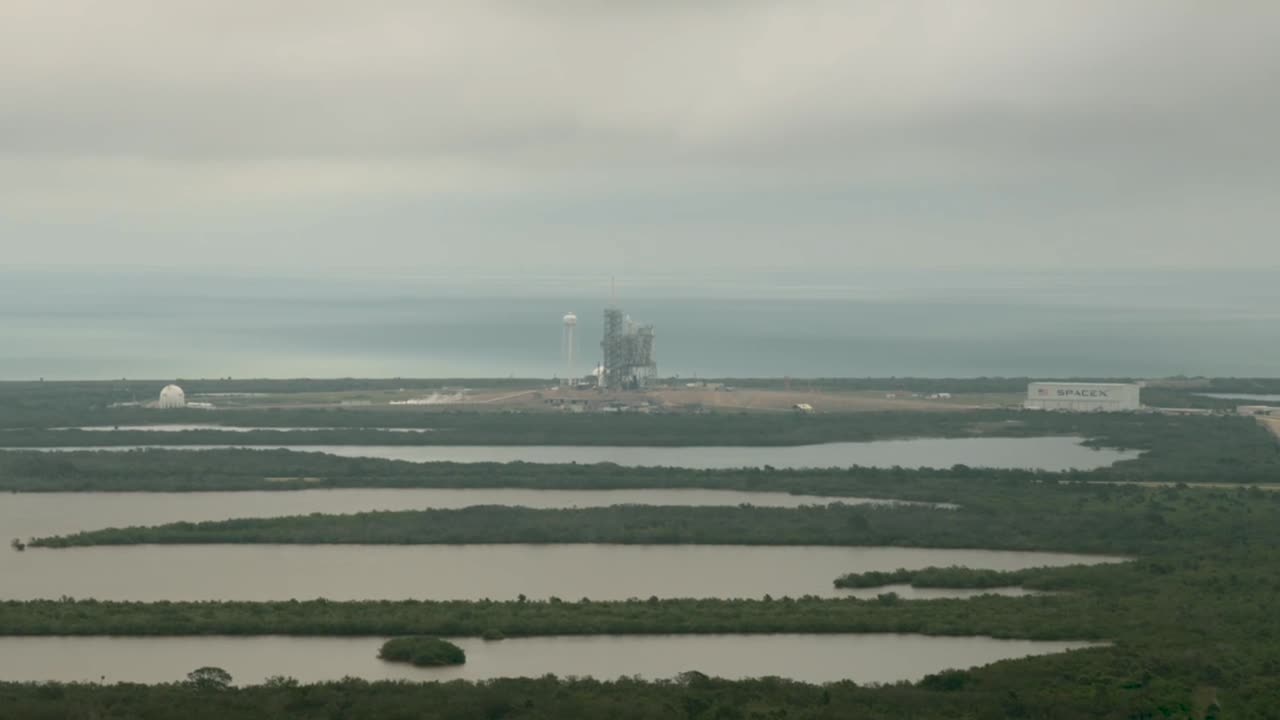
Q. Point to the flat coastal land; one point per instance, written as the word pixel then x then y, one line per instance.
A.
pixel 1154 559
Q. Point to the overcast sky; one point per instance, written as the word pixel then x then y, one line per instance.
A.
pixel 640 136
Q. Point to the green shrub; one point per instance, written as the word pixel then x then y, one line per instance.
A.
pixel 422 651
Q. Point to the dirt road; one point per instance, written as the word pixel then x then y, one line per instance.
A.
pixel 1273 423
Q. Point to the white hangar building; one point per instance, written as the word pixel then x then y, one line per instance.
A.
pixel 1083 397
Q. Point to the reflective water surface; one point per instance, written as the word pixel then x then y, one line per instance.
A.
pixel 463 572
pixel 1043 453
pixel 813 658
pixel 180 427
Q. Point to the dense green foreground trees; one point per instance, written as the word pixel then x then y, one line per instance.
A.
pixel 1029 688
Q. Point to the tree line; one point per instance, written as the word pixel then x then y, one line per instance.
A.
pixel 1079 517
pixel 1189 623
pixel 1174 449
pixel 1109 689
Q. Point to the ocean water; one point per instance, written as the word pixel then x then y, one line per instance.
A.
pixel 182 324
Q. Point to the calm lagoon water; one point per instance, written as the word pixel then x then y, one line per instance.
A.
pixel 864 658
pixel 180 427
pixel 27 515
pixel 472 572
pixel 1043 453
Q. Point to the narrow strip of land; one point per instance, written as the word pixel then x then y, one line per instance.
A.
pixel 1202 485
pixel 1053 617
pixel 1019 526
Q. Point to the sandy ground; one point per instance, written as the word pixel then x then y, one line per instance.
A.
pixel 673 399
pixel 1273 423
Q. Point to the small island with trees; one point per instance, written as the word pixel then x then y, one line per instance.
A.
pixel 422 651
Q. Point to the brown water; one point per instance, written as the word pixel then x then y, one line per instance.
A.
pixel 1043 453
pixel 863 658
pixel 468 572
pixel 27 515
pixel 183 427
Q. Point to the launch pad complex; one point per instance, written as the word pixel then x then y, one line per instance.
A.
pixel 629 361
pixel 627 353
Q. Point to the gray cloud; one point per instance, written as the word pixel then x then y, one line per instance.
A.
pixel 751 134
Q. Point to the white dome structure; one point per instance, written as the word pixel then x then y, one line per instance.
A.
pixel 172 396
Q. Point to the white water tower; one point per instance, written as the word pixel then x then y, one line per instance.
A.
pixel 568 345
